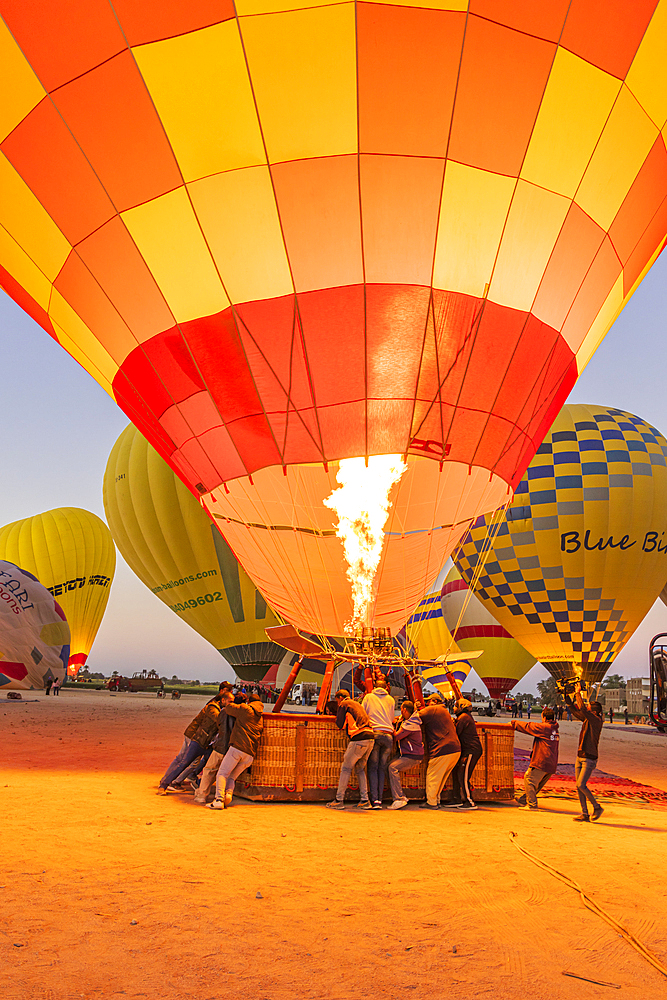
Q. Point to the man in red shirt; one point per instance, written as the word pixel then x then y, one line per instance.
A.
pixel 543 758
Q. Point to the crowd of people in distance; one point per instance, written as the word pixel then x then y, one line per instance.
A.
pixel 518 709
pixel 222 741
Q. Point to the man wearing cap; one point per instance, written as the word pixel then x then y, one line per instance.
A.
pixel 410 741
pixel 243 744
pixel 471 751
pixel 443 747
pixel 352 718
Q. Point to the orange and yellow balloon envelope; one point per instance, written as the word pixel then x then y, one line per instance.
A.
pixel 285 235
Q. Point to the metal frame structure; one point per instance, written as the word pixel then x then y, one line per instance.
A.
pixel 657 657
pixel 372 650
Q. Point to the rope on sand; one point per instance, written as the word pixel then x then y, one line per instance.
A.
pixel 592 906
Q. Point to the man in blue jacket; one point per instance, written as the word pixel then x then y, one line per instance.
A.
pixel 411 748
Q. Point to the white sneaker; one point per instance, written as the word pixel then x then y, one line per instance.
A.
pixel 216 804
pixel 398 803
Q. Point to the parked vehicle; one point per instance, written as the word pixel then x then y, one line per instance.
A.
pixel 139 681
pixel 304 694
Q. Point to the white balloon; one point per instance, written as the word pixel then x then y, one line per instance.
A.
pixel 34 634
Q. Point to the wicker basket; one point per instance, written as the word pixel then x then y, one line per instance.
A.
pixel 299 760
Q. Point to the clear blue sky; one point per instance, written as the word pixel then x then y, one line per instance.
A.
pixel 59 427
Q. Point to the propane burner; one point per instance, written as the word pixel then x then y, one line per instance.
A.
pixel 373 641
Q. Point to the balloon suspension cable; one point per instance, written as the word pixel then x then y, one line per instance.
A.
pixel 492 530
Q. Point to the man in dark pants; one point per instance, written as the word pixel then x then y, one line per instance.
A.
pixel 471 751
pixel 543 757
pixel 587 754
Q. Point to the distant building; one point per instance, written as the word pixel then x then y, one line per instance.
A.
pixel 612 698
pixel 638 694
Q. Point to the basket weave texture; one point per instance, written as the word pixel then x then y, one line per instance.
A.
pixel 299 759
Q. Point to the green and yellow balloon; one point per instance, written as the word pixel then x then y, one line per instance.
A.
pixel 168 540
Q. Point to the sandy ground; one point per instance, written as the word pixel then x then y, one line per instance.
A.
pixel 108 890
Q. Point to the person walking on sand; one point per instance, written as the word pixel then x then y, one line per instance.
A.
pixel 352 718
pixel 587 754
pixel 196 739
pixel 243 745
pixel 543 758
pixel 410 740
pixel 443 746
pixel 380 708
pixel 471 751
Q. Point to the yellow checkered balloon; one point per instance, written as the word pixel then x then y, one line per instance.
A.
pixel 581 554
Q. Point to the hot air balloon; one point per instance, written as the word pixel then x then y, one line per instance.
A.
pixel 427 637
pixel 282 239
pixel 172 546
pixel 504 661
pixel 34 634
pixel 71 552
pixel 582 554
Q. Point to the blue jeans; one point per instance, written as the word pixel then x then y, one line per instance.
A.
pixel 583 769
pixel 378 763
pixel 196 767
pixel 188 752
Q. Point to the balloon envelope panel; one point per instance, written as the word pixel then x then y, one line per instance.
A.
pixel 582 554
pixel 71 552
pixel 34 634
pixel 169 542
pixel 286 538
pixel 504 661
pixel 282 237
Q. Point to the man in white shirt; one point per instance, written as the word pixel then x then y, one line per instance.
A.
pixel 381 709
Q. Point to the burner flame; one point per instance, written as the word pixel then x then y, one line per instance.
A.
pixel 362 505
